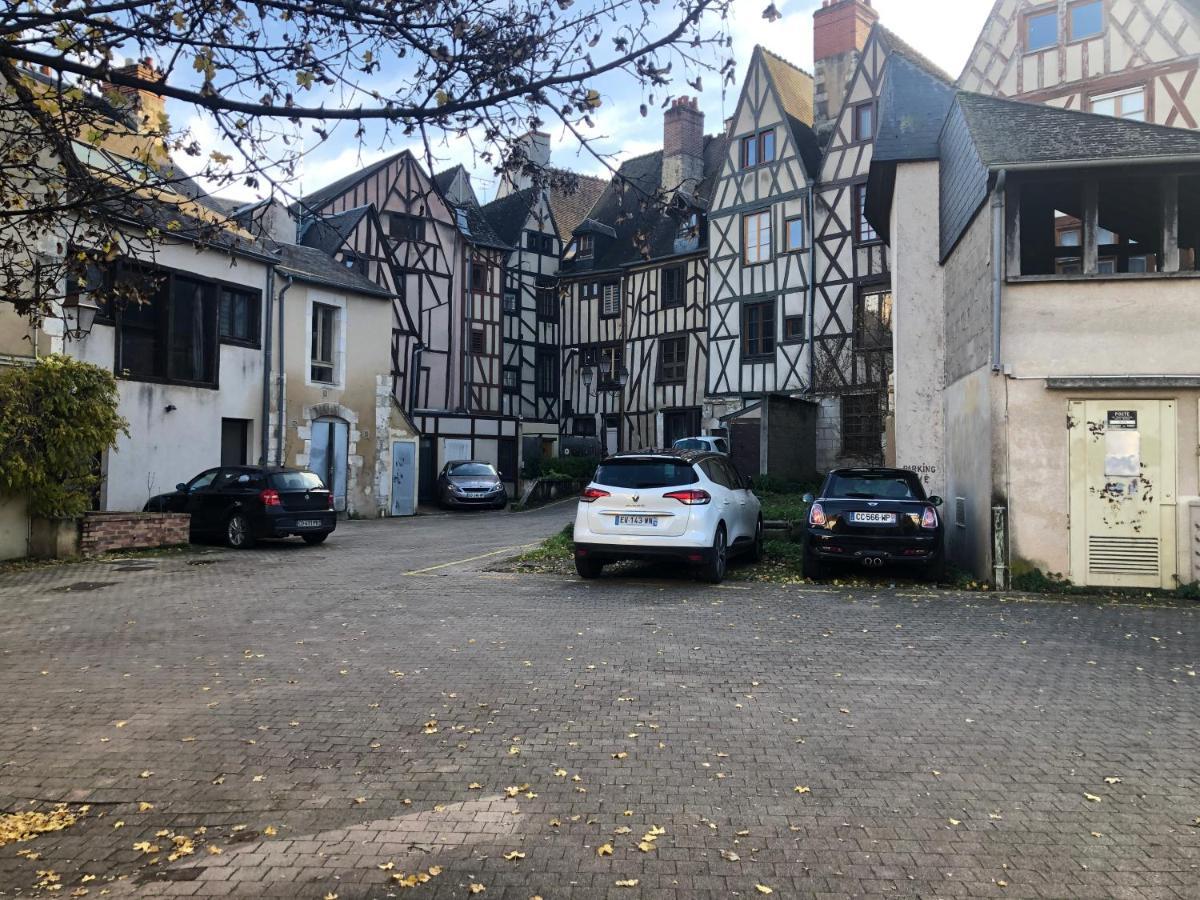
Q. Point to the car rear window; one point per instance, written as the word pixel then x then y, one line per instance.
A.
pixel 471 470
pixel 691 444
pixel 875 487
pixel 296 481
pixel 644 473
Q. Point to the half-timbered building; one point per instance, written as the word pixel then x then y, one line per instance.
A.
pixel 760 254
pixel 1133 59
pixel 527 220
pixel 634 296
pixel 394 221
pixel 852 332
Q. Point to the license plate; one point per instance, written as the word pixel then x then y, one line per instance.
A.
pixel 308 523
pixel 639 521
pixel 874 518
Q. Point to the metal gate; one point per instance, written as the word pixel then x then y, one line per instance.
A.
pixel 1123 464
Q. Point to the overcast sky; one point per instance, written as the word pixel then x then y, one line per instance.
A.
pixel 944 30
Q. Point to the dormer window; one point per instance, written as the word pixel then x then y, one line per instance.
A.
pixel 585 246
pixel 689 226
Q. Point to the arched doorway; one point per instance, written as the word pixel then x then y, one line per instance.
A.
pixel 327 456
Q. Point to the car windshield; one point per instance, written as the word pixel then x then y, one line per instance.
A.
pixel 471 470
pixel 296 481
pixel 888 486
pixel 645 473
pixel 690 444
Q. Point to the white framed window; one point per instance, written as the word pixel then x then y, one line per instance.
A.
pixel 1127 104
pixel 756 238
pixel 326 325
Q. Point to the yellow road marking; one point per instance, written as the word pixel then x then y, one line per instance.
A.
pixel 459 562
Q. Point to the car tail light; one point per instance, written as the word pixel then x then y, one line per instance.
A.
pixel 592 494
pixel 330 495
pixel 816 515
pixel 689 498
pixel 929 518
pixel 269 497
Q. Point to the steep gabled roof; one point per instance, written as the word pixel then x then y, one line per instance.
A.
pixel 628 206
pixel 328 233
pixel 316 267
pixel 572 197
pixel 912 111
pixel 793 84
pixel 509 214
pixel 318 198
pixel 1010 132
pixel 897 44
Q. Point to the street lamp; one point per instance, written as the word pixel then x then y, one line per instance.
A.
pixel 78 317
pixel 588 374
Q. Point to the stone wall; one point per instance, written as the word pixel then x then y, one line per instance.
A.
pixel 105 532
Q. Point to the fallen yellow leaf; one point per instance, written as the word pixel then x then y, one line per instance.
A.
pixel 476 888
pixel 802 789
pixel 763 889
pixel 1093 798
pixel 604 850
pixel 515 854
pixel 628 882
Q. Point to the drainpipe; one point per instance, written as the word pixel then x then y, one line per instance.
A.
pixel 279 384
pixel 812 289
pixel 264 441
pixel 465 396
pixel 997 265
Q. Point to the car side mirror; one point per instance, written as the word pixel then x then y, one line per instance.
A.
pixel 808 498
pixel 748 482
pixel 936 500
pixel 181 487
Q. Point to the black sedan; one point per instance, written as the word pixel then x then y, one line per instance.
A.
pixel 243 503
pixel 872 518
pixel 468 483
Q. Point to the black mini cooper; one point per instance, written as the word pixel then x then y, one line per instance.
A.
pixel 871 518
pixel 242 503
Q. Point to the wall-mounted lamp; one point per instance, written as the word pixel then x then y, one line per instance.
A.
pixel 170 407
pixel 616 385
pixel 78 317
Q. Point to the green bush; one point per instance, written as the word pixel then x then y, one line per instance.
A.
pixel 579 468
pixel 770 484
pixel 56 418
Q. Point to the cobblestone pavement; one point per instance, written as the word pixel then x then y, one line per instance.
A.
pixel 314 722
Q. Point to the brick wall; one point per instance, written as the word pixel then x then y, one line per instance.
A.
pixel 104 532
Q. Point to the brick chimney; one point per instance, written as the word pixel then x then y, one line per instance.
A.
pixel 840 31
pixel 683 145
pixel 149 109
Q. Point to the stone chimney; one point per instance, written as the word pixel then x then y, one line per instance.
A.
pixel 683 146
pixel 533 150
pixel 149 109
pixel 840 31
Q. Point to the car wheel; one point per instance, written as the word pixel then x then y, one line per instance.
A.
pixel 237 532
pixel 714 570
pixel 588 568
pixel 315 538
pixel 757 553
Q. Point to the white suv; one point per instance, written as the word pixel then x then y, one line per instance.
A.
pixel 693 507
